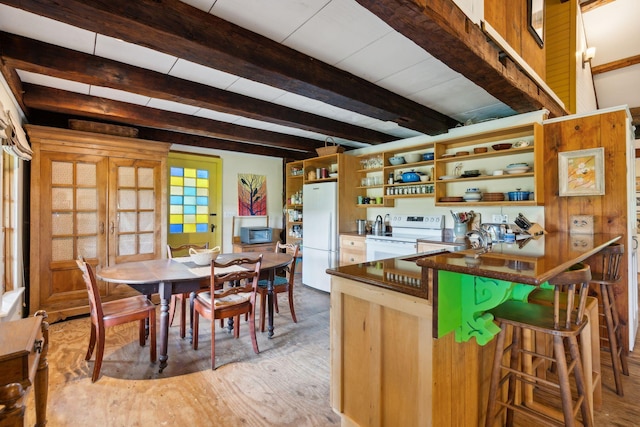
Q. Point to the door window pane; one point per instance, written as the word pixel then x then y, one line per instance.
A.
pixel 188 200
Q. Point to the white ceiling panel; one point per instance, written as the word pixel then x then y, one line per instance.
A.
pixel 613 30
pixel 54 82
pixel 36 27
pixel 163 104
pixel 337 31
pixel 128 53
pixel 611 93
pixel 255 89
pixel 216 115
pixel 383 57
pixel 274 20
pixel 188 70
pixel 455 96
pixel 424 75
pixel 119 95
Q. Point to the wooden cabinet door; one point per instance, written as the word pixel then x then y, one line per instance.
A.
pixel 135 202
pixel 72 218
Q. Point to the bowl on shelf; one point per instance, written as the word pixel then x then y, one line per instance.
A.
pixel 521 169
pixel 396 160
pixel 502 146
pixel 479 150
pixel 462 153
pixel 412 157
pixel 444 177
pixel 428 156
pixel 472 197
pixel 517 165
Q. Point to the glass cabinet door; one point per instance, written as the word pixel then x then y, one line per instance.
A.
pixel 134 214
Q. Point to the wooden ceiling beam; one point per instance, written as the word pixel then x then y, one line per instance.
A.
pixel 61 101
pixel 43 58
pixel 443 30
pixel 178 29
pixel 60 120
pixel 615 65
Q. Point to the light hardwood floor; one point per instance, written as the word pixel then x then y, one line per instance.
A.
pixel 287 384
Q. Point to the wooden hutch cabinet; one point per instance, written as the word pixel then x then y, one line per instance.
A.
pixel 95 195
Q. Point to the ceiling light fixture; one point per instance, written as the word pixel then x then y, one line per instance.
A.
pixel 587 55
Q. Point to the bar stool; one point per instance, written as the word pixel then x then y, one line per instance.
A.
pixel 563 325
pixel 610 258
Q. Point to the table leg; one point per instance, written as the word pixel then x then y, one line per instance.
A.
pixel 270 280
pixel 164 289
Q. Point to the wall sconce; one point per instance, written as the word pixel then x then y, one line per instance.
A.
pixel 587 55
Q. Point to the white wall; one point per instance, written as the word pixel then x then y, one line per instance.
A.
pixel 232 165
pixel 585 91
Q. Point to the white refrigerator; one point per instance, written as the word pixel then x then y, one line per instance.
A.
pixel 320 233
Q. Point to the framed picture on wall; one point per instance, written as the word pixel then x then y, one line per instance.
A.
pixel 535 16
pixel 581 172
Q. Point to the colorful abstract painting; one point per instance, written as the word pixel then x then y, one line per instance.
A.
pixel 252 194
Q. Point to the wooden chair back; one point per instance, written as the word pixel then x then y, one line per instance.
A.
pixel 610 259
pixel 95 302
pixel 183 250
pixel 244 280
pixel 575 280
pixel 293 250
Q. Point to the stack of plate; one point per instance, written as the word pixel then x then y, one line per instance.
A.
pixel 492 197
pixel 451 199
pixel 517 168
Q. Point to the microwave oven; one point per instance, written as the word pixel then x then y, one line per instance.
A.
pixel 250 235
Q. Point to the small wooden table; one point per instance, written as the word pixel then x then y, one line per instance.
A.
pixel 23 363
pixel 169 276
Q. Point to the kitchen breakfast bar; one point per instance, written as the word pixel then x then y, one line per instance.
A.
pixel 411 342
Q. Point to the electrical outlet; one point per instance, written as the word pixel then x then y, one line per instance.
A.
pixel 496 218
pixel 505 218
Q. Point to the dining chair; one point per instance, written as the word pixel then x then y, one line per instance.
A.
pixel 236 298
pixel 176 251
pixel 112 313
pixel 283 282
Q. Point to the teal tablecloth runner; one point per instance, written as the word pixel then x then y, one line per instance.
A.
pixel 463 300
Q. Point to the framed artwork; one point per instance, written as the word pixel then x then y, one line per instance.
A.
pixel 252 194
pixel 581 172
pixel 535 15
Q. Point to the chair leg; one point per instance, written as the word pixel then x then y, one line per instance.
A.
pixel 291 309
pixel 263 309
pixel 252 330
pixel 99 354
pixel 495 379
pixel 275 302
pixel 608 306
pixel 92 342
pixel 236 330
pixel 194 340
pixel 142 332
pixel 213 345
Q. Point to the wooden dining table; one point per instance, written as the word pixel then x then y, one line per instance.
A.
pixel 174 276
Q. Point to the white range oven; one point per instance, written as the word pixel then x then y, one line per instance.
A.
pixel 403 239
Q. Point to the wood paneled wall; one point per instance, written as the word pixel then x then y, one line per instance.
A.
pixel 606 130
pixel 509 19
pixel 560 40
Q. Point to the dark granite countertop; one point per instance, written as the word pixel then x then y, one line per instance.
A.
pixel 530 262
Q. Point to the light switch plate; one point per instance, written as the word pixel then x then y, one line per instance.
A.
pixel 581 224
